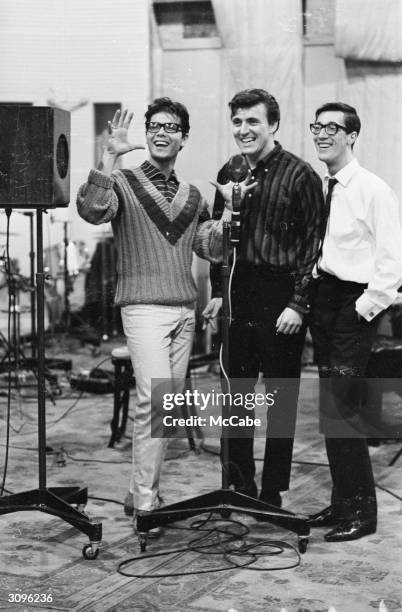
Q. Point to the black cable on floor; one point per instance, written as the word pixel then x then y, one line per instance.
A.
pixel 231 554
pixel 92 460
pixel 51 423
pixel 65 413
pixel 106 499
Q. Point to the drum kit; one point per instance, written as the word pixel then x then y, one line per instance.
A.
pixel 66 266
pixel 16 283
pixel 65 263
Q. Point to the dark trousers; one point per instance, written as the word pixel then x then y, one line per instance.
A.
pixel 342 344
pixel 258 298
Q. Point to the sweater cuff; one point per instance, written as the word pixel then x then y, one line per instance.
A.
pixel 208 241
pixel 100 180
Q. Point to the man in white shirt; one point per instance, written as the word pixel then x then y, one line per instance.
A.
pixel 357 277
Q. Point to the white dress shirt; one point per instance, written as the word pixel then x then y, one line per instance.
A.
pixel 363 240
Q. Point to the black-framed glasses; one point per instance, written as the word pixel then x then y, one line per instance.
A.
pixel 330 128
pixel 170 128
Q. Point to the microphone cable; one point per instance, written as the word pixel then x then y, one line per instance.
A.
pixel 225 374
pixel 227 541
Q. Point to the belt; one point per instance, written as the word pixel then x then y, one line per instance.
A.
pixel 334 279
pixel 264 269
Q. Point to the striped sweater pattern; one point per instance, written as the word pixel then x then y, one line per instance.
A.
pixel 152 267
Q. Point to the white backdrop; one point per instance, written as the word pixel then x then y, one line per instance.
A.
pixel 263 48
pixel 368 38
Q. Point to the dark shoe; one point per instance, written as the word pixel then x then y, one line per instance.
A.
pixel 326 518
pixel 351 530
pixel 271 497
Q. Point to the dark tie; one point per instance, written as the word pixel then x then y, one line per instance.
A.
pixel 331 184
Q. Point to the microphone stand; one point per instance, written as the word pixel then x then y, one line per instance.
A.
pixel 224 501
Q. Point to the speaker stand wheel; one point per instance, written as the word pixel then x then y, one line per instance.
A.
pixel 91 551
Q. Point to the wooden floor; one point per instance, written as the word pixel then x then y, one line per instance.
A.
pixel 41 555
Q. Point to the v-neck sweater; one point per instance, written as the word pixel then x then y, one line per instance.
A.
pixel 154 238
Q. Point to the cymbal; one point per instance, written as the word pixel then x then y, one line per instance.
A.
pixel 103 234
pixel 18 309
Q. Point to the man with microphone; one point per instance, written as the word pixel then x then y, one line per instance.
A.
pixel 281 222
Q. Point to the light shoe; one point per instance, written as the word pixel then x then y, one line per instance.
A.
pixel 129 503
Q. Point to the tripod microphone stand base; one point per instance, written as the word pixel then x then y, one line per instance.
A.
pixel 224 502
pixel 56 501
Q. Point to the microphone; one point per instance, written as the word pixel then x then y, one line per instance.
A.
pixel 237 170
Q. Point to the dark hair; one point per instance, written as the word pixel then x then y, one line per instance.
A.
pixel 251 97
pixel 352 121
pixel 172 107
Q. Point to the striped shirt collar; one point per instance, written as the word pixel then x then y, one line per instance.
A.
pixel 265 161
pixel 152 173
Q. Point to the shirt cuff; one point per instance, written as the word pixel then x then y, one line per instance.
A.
pixel 299 303
pixel 366 308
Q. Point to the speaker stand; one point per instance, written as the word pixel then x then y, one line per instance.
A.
pixel 30 214
pixel 224 501
pixel 57 501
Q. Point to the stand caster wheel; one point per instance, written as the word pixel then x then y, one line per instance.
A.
pixel 142 540
pixel 302 545
pixel 90 552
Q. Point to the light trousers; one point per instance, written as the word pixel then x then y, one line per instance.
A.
pixel 159 340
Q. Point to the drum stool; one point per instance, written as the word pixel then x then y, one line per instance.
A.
pixel 124 380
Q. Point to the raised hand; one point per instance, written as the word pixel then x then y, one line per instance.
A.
pixel 118 143
pixel 226 190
